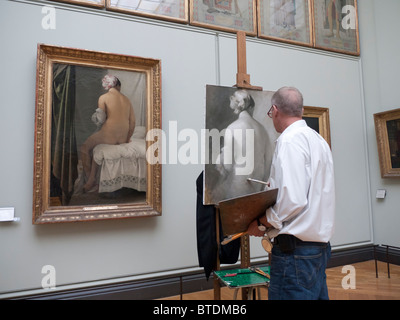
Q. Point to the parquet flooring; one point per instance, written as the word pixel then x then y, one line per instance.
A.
pixel 367 286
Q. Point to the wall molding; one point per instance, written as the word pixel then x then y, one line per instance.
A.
pixel 171 285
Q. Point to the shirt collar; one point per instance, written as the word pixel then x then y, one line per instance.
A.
pixel 293 126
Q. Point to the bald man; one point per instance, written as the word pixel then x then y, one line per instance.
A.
pixel 302 219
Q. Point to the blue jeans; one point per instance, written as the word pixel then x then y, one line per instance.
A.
pixel 299 275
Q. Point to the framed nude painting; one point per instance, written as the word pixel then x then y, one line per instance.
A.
pixel 317 118
pixel 336 26
pixel 285 20
pixel 173 10
pixel 94 116
pixel 387 128
pixel 225 15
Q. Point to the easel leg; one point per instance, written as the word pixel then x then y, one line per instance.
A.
pixel 245 260
pixel 217 285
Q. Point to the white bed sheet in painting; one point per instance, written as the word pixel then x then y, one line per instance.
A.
pixel 122 166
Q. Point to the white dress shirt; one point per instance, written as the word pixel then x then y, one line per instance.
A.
pixel 302 170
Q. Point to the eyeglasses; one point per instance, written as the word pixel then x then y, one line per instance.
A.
pixel 269 113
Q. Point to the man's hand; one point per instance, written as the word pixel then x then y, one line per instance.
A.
pixel 254 231
pixel 253 228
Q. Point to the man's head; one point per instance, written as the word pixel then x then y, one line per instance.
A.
pixel 287 107
pixel 110 81
pixel 240 101
pixel 289 100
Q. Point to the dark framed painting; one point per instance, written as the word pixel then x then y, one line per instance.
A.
pixel 172 10
pixel 94 113
pixel 387 128
pixel 225 15
pixel 286 21
pixel 317 118
pixel 336 26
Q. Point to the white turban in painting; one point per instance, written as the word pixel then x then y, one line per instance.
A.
pixel 109 81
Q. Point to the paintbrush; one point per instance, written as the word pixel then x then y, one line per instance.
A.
pixel 259 271
pixel 233 237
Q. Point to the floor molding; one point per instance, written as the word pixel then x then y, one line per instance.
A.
pixel 175 285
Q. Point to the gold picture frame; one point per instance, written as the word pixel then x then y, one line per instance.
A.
pixel 387 129
pixel 67 84
pixel 225 15
pixel 172 10
pixel 318 119
pixel 286 21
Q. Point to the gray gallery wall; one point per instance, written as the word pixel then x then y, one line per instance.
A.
pixel 381 67
pixel 353 88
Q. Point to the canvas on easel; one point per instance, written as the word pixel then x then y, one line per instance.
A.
pixel 224 177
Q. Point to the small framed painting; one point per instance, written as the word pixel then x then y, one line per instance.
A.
pixel 225 15
pixel 387 128
pixel 336 26
pixel 90 3
pixel 317 118
pixel 172 10
pixel 285 20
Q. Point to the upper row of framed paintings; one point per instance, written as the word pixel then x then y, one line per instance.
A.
pixel 324 24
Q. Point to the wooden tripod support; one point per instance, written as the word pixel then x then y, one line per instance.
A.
pixel 242 82
pixel 244 258
pixel 242 78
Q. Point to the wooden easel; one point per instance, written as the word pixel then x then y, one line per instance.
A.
pixel 242 82
pixel 242 78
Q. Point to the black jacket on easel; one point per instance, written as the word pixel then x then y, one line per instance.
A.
pixel 207 245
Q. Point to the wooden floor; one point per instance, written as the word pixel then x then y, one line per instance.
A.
pixel 368 287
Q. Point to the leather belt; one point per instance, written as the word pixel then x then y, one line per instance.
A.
pixel 288 242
